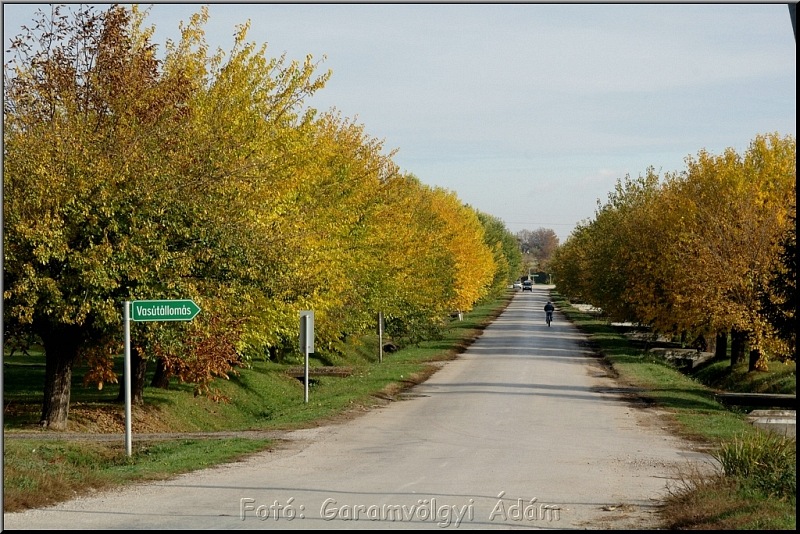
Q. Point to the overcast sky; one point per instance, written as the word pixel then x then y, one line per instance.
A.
pixel 529 112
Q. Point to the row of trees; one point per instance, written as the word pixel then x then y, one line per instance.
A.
pixel 537 247
pixel 705 254
pixel 204 175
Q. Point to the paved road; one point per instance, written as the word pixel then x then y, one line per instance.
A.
pixel 525 430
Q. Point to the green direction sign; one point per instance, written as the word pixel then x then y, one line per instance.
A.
pixel 164 310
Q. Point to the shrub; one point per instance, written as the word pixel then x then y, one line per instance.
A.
pixel 763 461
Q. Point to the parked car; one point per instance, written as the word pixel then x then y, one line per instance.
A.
pixel 527 285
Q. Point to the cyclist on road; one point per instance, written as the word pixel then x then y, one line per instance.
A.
pixel 548 310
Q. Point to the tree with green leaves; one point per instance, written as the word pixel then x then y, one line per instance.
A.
pixel 85 119
pixel 123 181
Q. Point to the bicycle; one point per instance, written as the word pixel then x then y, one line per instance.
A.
pixel 548 310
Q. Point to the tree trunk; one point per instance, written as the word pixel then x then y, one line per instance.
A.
pixel 61 353
pixel 160 377
pixel 721 348
pixel 138 370
pixel 753 363
pixel 738 342
pixel 700 343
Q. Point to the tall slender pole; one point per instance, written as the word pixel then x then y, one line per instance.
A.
pixel 380 337
pixel 306 319
pixel 126 314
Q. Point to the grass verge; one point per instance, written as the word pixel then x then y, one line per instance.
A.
pixel 41 473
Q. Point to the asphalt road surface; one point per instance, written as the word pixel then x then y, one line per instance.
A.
pixel 525 430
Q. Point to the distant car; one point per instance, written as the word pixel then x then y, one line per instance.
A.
pixel 517 285
pixel 527 285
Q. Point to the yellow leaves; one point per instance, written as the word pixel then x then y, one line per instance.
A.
pixel 692 253
pixel 241 31
pixel 461 234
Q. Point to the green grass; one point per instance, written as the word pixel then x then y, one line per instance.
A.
pixel 265 397
pixel 780 378
pixel 39 473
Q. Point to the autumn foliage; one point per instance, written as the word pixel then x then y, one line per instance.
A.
pixel 134 173
pixel 705 254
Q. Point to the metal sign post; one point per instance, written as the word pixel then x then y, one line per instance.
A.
pixel 306 343
pixel 380 337
pixel 148 310
pixel 126 314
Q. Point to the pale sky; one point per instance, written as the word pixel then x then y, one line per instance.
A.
pixel 528 112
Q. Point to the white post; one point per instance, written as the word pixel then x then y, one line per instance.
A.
pixel 305 351
pixel 380 337
pixel 127 371
pixel 306 342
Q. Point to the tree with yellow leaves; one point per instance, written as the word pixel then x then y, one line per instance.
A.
pixel 692 255
pixel 735 211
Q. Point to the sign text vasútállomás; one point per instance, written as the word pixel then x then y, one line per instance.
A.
pixel 164 310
